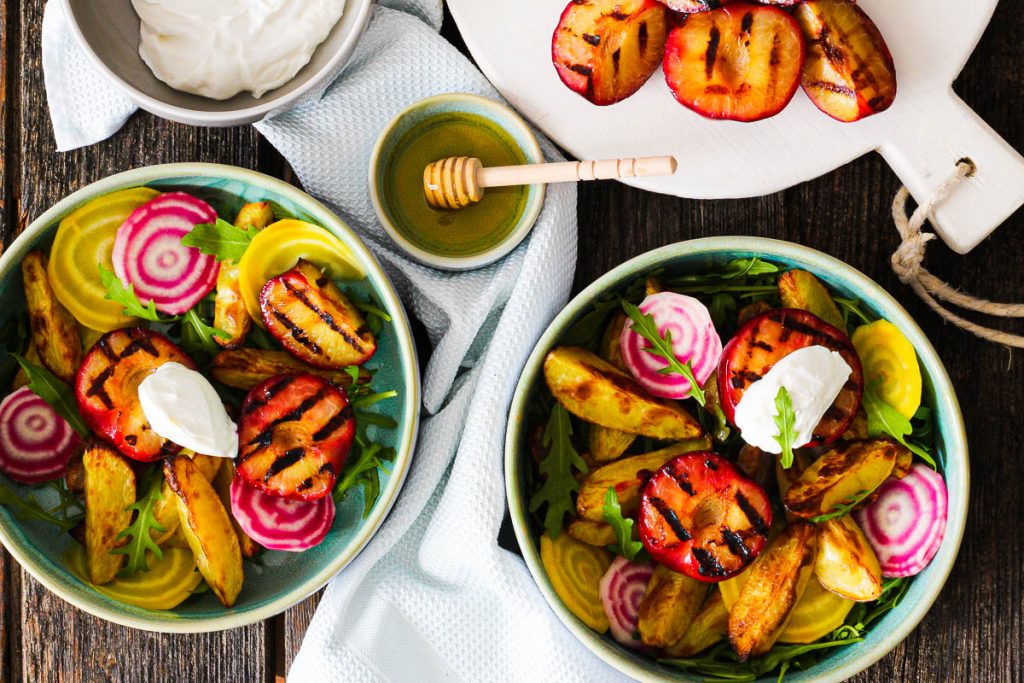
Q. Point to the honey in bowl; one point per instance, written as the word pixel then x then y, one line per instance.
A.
pixel 469 231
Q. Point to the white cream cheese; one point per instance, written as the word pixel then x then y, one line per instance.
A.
pixel 219 48
pixel 182 405
pixel 813 376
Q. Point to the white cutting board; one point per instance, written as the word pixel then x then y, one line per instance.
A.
pixel 922 136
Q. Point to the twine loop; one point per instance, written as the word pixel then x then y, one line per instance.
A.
pixel 908 259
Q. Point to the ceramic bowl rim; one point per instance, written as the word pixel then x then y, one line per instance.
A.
pixel 231 117
pixel 404 449
pixel 526 221
pixel 946 404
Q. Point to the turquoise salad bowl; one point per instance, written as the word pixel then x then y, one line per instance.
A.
pixel 276 580
pixel 702 255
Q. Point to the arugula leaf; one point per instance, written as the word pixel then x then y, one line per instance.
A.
pixel 623 527
pixel 842 508
pixel 197 336
pixel 117 292
pixel 48 387
pixel 784 419
pixel 850 308
pixel 643 324
pixel 30 508
pixel 141 540
pixel 369 399
pixel 363 471
pixel 557 466
pixel 721 663
pixel 589 327
pixel 220 239
pixel 884 419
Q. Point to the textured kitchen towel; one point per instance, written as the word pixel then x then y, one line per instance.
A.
pixel 433 597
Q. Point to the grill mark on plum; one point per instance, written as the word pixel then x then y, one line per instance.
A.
pixel 131 439
pixel 708 564
pixel 167 448
pixel 326 468
pixel 307 483
pixel 834 413
pixel 642 37
pixel 747 23
pixel 618 15
pixel 283 462
pixel 741 377
pixel 851 385
pixel 140 344
pixel 735 543
pixel 98 390
pixel 831 87
pixel 268 393
pixel 296 413
pixel 683 482
pixel 592 39
pixel 670 518
pixel 104 346
pixel 334 424
pixel 788 323
pixel 711 465
pixel 755 519
pixel 297 333
pixel 581 69
pixel 324 316
pixel 763 345
pixel 615 60
pixel 711 54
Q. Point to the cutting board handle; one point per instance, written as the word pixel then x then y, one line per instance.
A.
pixel 928 143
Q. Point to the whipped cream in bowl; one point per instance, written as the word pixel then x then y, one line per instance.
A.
pixel 220 48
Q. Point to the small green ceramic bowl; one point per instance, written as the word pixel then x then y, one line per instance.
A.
pixel 424 111
pixel 279 579
pixel 700 256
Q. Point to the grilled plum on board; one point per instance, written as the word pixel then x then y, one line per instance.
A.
pixel 107 389
pixel 702 517
pixel 740 62
pixel 605 50
pixel 769 337
pixel 295 434
pixel 313 320
pixel 849 72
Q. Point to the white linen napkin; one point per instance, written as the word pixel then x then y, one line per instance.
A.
pixel 432 597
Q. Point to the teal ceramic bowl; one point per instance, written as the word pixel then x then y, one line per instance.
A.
pixel 279 579
pixel 699 256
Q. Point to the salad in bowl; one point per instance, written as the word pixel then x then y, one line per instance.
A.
pixel 722 466
pixel 208 397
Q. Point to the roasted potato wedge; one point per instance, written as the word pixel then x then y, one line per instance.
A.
pixel 165 510
pixel 54 332
pixel 597 392
pixel 229 311
pixel 207 528
pixel 591 533
pixel 904 459
pixel 846 564
pixel 776 581
pixel 752 310
pixel 222 484
pixel 800 289
pixel 844 473
pixel 669 606
pixel 608 444
pixel 626 476
pixel 109 490
pixel 757 464
pixel 245 368
pixel 707 628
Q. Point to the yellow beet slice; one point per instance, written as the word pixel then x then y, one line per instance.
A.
pixel 575 570
pixel 887 355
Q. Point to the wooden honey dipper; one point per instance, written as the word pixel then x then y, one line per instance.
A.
pixel 457 182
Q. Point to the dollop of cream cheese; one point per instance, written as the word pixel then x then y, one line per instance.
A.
pixel 181 405
pixel 219 48
pixel 813 376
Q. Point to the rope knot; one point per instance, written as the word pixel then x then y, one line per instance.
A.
pixel 908 257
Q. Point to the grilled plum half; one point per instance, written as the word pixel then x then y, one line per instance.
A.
pixel 605 50
pixel 849 72
pixel 314 321
pixel 701 516
pixel 295 434
pixel 771 336
pixel 740 62
pixel 107 389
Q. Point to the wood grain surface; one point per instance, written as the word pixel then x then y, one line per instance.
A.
pixel 975 630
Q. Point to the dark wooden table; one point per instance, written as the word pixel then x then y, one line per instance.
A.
pixel 975 630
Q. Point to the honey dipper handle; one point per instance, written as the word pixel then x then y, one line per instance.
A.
pixel 573 171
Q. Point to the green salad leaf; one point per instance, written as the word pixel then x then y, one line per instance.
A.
pixel 367 400
pixel 220 239
pixel 784 419
pixel 623 527
pixel 197 336
pixel 364 471
pixel 557 469
pixel 54 391
pixel 884 419
pixel 139 530
pixel 117 292
pixel 842 508
pixel 643 324
pixel 66 515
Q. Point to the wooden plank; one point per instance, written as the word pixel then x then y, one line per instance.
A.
pixel 9 616
pixel 57 641
pixel 294 623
